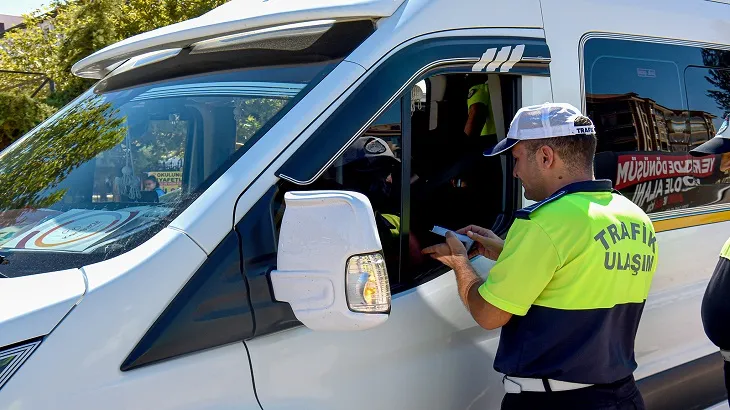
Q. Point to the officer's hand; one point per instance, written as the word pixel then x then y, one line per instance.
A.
pixel 451 253
pixel 489 244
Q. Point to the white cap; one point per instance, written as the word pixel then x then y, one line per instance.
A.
pixel 548 120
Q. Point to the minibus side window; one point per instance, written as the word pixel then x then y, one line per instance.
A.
pixel 652 103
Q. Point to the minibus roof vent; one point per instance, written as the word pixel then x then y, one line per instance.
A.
pixel 236 16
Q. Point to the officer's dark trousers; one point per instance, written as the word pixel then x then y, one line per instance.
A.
pixel 621 395
pixel 716 312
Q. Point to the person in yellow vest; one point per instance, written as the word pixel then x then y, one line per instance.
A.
pixel 474 177
pixel 570 280
pixel 480 121
pixel 716 302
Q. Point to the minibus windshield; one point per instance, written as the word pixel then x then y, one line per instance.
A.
pixel 114 167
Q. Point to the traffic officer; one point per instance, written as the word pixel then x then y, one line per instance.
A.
pixel 480 120
pixel 474 176
pixel 716 302
pixel 570 280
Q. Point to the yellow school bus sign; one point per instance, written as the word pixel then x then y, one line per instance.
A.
pixel 169 180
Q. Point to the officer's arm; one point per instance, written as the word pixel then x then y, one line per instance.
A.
pixel 484 313
pixel 515 281
pixel 453 254
pixel 478 115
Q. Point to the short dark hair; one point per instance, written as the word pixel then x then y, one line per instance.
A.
pixel 153 179
pixel 577 151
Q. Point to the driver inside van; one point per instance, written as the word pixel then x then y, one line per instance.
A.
pixel 369 166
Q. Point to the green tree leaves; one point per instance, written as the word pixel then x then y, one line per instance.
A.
pixel 45 160
pixel 18 115
pixel 52 40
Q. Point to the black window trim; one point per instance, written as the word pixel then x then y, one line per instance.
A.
pixel 198 309
pixel 405 189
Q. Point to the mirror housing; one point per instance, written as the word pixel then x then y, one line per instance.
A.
pixel 330 267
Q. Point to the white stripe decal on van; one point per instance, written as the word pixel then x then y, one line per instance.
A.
pixel 487 58
pixel 513 58
pixel 501 58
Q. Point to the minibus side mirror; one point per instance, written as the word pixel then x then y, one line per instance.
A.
pixel 330 267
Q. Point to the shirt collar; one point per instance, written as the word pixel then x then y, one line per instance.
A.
pixel 598 185
pixel 601 185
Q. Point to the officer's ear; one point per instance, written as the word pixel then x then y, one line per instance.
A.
pixel 545 157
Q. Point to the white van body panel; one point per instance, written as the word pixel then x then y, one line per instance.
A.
pixel 125 296
pixel 31 306
pixel 429 354
pixel 233 17
pixel 420 17
pixel 217 379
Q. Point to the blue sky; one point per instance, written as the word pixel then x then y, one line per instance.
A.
pixel 18 7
